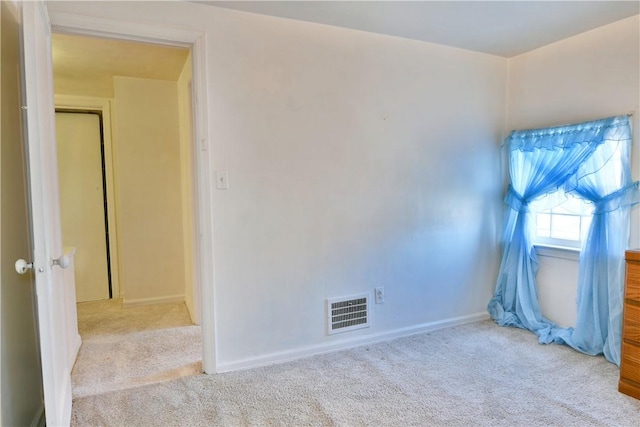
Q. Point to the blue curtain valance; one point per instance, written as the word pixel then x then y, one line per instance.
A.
pixel 590 133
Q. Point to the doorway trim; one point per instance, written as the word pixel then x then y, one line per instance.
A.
pixel 103 106
pixel 70 23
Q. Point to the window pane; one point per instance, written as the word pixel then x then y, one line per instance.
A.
pixel 565 227
pixel 571 206
pixel 543 225
pixel 566 224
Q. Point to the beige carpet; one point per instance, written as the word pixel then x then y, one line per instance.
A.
pixel 473 375
pixel 125 348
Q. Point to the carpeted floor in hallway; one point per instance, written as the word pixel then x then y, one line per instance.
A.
pixel 123 348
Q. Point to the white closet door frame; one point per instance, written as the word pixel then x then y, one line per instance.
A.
pixel 103 105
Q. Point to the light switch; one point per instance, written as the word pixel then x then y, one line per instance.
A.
pixel 222 180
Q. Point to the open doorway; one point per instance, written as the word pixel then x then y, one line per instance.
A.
pixel 159 34
pixel 143 95
pixel 131 181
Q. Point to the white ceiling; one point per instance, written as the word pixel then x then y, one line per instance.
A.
pixel 503 28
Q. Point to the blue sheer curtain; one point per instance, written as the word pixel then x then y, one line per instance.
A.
pixel 604 180
pixel 591 160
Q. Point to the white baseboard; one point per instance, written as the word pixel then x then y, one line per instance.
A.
pixel 155 300
pixel 38 419
pixel 343 344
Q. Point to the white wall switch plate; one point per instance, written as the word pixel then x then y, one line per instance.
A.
pixel 222 180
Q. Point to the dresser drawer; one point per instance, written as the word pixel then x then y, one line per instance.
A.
pixel 631 328
pixel 630 366
pixel 632 287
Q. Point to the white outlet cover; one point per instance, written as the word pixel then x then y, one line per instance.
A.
pixel 379 295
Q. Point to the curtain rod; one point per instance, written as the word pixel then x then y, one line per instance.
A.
pixel 505 138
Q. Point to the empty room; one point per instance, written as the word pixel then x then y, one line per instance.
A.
pixel 386 213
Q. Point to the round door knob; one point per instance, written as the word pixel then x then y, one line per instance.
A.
pixel 23 266
pixel 63 262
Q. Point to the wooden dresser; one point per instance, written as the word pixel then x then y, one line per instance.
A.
pixel 630 360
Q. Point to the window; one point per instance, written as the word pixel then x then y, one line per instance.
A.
pixel 566 224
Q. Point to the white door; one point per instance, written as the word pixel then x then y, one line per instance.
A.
pixel 82 201
pixel 21 381
pixel 52 294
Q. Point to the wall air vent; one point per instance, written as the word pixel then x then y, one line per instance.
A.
pixel 348 313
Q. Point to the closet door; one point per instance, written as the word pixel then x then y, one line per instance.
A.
pixel 82 201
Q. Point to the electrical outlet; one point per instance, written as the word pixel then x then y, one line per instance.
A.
pixel 379 295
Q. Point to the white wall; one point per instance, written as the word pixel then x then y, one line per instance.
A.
pixel 356 160
pixel 592 75
pixel 149 200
